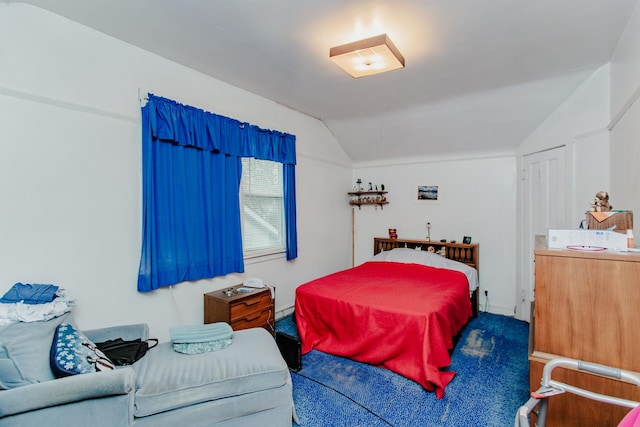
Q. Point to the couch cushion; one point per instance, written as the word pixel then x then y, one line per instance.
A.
pixel 10 375
pixel 26 345
pixel 166 379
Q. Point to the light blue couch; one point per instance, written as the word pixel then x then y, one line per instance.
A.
pixel 246 384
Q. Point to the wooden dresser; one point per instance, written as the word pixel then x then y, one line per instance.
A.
pixel 241 310
pixel 587 307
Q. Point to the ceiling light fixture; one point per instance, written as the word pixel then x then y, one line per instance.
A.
pixel 367 57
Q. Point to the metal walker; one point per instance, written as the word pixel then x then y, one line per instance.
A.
pixel 540 398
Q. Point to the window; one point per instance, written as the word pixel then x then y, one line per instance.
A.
pixel 261 195
pixel 192 219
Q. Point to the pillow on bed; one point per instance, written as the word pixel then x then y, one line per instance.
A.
pixel 415 256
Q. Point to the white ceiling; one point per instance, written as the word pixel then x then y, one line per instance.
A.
pixel 480 76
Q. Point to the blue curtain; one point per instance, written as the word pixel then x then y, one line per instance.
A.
pixel 289 182
pixel 191 178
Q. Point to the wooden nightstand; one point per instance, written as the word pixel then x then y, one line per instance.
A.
pixel 241 310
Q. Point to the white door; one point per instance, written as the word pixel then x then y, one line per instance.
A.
pixel 543 181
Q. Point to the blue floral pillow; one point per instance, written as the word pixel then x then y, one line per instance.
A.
pixel 73 353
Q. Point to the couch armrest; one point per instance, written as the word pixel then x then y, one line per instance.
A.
pixel 126 332
pixel 66 390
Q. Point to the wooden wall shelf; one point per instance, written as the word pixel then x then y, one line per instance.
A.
pixel 359 198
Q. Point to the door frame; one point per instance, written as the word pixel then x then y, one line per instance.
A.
pixel 525 284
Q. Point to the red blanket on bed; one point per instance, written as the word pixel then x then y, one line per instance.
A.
pixel 399 316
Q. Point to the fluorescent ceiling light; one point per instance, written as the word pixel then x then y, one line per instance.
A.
pixel 367 57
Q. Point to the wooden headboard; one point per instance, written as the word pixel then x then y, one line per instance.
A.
pixel 467 253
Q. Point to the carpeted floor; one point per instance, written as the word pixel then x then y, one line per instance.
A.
pixel 491 383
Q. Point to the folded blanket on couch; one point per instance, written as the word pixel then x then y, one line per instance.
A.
pixel 201 333
pixel 196 339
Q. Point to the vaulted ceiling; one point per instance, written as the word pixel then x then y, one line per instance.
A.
pixel 480 76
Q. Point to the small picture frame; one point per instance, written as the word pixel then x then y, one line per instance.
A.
pixel 466 240
pixel 428 193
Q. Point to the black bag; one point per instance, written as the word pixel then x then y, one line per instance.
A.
pixel 290 348
pixel 122 352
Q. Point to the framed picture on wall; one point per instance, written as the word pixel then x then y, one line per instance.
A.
pixel 466 239
pixel 428 193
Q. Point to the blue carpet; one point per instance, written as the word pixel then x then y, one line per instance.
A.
pixel 491 382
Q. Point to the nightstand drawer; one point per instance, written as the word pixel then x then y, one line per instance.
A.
pixel 250 307
pixel 262 318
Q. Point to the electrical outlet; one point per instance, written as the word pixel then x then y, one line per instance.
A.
pixel 486 293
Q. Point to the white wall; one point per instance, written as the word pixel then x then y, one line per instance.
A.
pixel 477 198
pixel 625 112
pixel 580 124
pixel 70 172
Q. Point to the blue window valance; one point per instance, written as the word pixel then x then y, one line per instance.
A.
pixel 191 178
pixel 190 126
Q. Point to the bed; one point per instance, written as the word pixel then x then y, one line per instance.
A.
pixel 399 310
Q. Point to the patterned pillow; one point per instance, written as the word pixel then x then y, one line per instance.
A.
pixel 73 353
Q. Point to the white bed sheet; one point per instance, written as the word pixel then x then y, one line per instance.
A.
pixel 416 256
